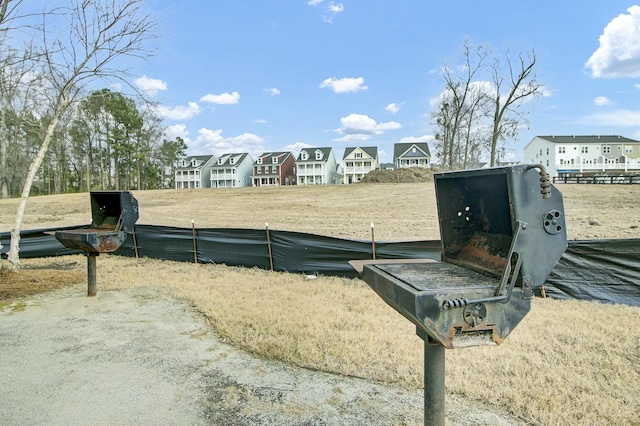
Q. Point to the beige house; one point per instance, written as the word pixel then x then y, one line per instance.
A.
pixel 359 161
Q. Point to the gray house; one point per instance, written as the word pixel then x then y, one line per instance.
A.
pixel 232 170
pixel 194 171
pixel 414 154
pixel 317 166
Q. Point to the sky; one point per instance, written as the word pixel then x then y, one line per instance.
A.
pixel 281 75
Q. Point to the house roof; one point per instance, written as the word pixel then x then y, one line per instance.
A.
pixel 588 139
pixel 399 149
pixel 201 159
pixel 371 151
pixel 326 153
pixel 267 157
pixel 225 160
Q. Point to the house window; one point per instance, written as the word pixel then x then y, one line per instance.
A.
pixel 606 149
pixel 274 160
pixel 628 149
pixel 561 150
pixel 194 163
pixel 259 161
pixel 304 156
pixel 584 150
pixel 547 153
pixel 318 155
pixel 358 155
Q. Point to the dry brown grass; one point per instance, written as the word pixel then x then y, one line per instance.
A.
pixel 569 362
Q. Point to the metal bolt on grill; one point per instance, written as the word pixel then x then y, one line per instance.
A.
pixel 113 215
pixel 502 231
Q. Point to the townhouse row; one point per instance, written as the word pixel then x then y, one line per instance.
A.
pixel 313 166
pixel 568 156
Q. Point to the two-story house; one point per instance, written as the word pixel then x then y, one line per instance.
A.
pixel 358 162
pixel 274 168
pixel 232 170
pixel 317 166
pixel 414 154
pixel 194 171
pixel 584 155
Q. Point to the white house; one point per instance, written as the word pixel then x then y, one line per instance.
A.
pixel 317 166
pixel 411 155
pixel 358 162
pixel 194 172
pixel 584 155
pixel 232 170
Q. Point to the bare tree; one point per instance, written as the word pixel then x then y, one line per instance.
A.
pixel 459 107
pixel 100 33
pixel 520 84
pixel 481 106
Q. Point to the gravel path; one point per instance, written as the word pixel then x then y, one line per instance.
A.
pixel 141 357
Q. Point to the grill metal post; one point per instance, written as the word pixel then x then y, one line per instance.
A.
pixel 434 392
pixel 91 274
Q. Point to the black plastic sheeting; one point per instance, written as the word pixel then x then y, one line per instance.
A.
pixel 597 270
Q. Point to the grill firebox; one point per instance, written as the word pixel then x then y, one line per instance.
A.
pixel 113 216
pixel 502 231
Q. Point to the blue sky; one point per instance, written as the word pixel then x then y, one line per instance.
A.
pixel 279 75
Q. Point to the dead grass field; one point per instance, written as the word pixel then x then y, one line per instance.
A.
pixel 568 362
pixel 400 212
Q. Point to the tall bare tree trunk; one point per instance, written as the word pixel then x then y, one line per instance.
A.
pixel 14 246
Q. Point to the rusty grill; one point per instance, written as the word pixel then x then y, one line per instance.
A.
pixel 113 216
pixel 502 231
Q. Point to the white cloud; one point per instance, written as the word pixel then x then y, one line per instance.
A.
pixel 602 101
pixel 272 91
pixel 151 86
pixel 393 108
pixel 620 118
pixel 260 121
pixel 637 86
pixel 222 99
pixel 212 142
pixel 344 85
pixel 358 127
pixel 329 10
pixel 295 148
pixel 178 113
pixel 177 130
pixel 416 139
pixel 619 51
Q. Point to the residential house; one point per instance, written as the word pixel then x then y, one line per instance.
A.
pixel 317 166
pixel 584 155
pixel 358 162
pixel 232 170
pixel 194 171
pixel 414 154
pixel 274 168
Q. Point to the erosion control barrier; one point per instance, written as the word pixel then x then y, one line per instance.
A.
pixel 597 270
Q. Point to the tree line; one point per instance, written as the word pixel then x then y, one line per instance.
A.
pixel 105 142
pixel 82 139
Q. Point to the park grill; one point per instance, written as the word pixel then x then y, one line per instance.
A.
pixel 113 216
pixel 502 231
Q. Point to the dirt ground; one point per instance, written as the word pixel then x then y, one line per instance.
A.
pixel 85 351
